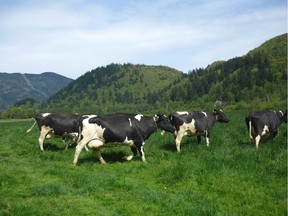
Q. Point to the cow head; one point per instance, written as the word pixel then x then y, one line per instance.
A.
pixel 163 123
pixel 220 116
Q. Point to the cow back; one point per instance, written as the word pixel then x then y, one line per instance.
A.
pixel 265 117
pixel 62 123
pixel 118 127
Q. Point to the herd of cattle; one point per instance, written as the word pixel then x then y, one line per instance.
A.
pixel 133 130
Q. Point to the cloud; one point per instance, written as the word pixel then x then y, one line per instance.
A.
pixel 72 37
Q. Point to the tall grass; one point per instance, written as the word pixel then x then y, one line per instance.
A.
pixel 230 177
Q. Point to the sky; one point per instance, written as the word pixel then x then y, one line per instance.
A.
pixel 72 37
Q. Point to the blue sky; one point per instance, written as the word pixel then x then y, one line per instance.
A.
pixel 71 37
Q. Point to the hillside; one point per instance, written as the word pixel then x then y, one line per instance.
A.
pixel 255 80
pixel 114 88
pixel 16 87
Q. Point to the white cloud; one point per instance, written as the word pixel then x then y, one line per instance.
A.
pixel 72 37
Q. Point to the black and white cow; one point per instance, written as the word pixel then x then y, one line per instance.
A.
pixel 120 129
pixel 64 125
pixel 264 123
pixel 195 124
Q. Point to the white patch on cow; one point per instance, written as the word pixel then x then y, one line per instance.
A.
pixel 188 128
pixel 155 118
pixel 205 114
pixel 138 117
pixel 182 113
pixel 92 134
pixel 265 130
pixel 49 135
pixel 71 135
pixel 185 129
pixel 130 123
pixel 129 142
pixel 89 116
pixel 45 114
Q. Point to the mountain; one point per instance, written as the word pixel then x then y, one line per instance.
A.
pixel 255 80
pixel 113 88
pixel 17 87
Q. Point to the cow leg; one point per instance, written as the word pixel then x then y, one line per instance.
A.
pixel 178 140
pixel 199 139
pixel 140 147
pixel 207 141
pixel 43 133
pixel 41 141
pixel 78 150
pixel 65 143
pixel 98 153
pixel 142 153
pixel 134 153
pixel 257 141
pixel 207 136
pixel 275 134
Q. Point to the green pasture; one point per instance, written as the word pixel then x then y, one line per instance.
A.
pixel 230 177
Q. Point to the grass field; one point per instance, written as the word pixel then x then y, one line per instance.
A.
pixel 230 177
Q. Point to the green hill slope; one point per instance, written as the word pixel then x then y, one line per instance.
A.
pixel 255 80
pixel 114 88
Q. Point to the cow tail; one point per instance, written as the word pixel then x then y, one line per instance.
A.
pixel 250 128
pixel 31 126
pixel 80 134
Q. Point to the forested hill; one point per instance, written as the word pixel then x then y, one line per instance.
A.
pixel 114 88
pixel 255 80
pixel 16 88
pixel 258 78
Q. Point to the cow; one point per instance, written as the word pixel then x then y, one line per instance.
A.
pixel 195 124
pixel 120 129
pixel 264 124
pixel 64 125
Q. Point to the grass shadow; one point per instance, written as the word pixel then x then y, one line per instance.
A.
pixel 109 157
pixel 170 147
pixel 53 147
